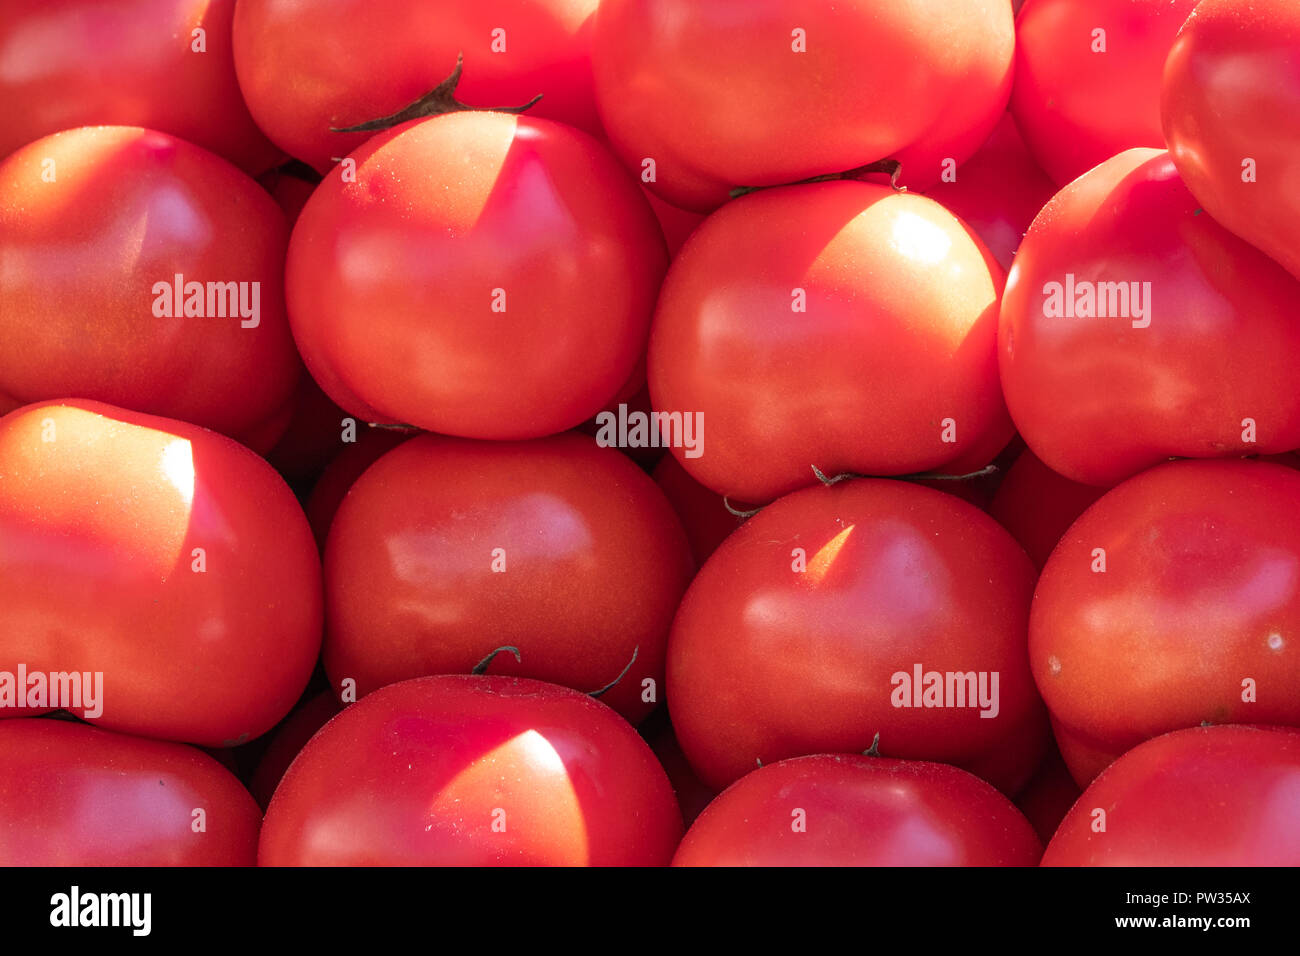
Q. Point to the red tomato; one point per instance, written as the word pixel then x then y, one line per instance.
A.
pixel 66 63
pixel 703 513
pixel 72 795
pixel 460 770
pixel 1088 78
pixel 677 224
pixel 287 742
pixel 1037 505
pixel 1193 619
pixel 1231 111
pixel 165 557
pixel 308 67
pixel 693 795
pixel 849 810
pixel 762 92
pixel 841 325
pixel 486 275
pixel 1204 796
pixel 997 192
pixel 90 260
pixel 446 549
pixel 338 477
pixel 766 661
pixel 1049 795
pixel 1193 355
pixel 313 436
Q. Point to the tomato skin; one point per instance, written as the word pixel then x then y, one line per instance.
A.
pixel 69 63
pixel 1231 91
pixel 1038 506
pixel 77 304
pixel 590 565
pixel 703 513
pixel 998 191
pixel 1077 108
pixel 1202 797
pixel 98 529
pixel 342 472
pixel 72 795
pixel 1049 795
pixel 287 742
pixel 416 773
pixel 765 662
pixel 717 96
pixel 859 811
pixel 897 337
pixel 305 68
pixel 1201 591
pixel 1097 399
pixel 487 275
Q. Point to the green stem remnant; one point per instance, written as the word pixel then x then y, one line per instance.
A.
pixel 439 100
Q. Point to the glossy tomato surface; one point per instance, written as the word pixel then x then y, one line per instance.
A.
pixel 446 549
pixel 92 222
pixel 1203 797
pixel 850 810
pixel 163 64
pixel 840 325
pixel 1194 617
pixel 1088 78
pixel 473 771
pixel 1186 348
pixel 1037 505
pixel 767 661
pixel 997 192
pixel 307 69
pixel 72 795
pixel 166 557
pixel 486 275
pixel 1231 111
pixel 757 93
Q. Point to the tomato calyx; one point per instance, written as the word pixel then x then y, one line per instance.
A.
pixel 481 667
pixel 438 101
pixel 726 503
pixel 890 167
pixel 920 476
pixel 874 749
pixel 623 673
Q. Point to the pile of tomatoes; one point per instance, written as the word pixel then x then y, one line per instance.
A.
pixel 809 433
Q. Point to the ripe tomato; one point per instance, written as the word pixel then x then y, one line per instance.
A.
pixel 1186 350
pixel 1231 103
pixel 1204 796
pixel 91 257
pixel 307 68
pixel 1037 505
pixel 287 742
pixel 849 810
pixel 338 477
pixel 460 770
pixel 841 325
pixel 703 513
pixel 1193 618
pixel 66 63
pixel 760 92
pixel 767 661
pixel 1049 795
pixel 446 549
pixel 997 192
pixel 1088 78
pixel 72 795
pixel 163 556
pixel 486 275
